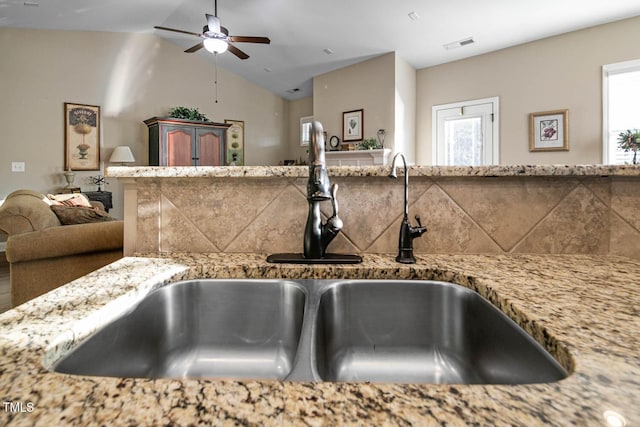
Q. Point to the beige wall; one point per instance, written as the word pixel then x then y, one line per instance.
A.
pixel 132 77
pixel 554 73
pixel 302 107
pixel 368 85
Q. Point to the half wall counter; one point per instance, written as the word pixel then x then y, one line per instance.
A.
pixel 548 209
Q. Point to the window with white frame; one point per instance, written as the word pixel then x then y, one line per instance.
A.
pixel 621 108
pixel 305 130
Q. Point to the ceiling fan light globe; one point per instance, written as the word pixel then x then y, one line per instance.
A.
pixel 216 45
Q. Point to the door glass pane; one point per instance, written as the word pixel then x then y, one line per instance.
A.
pixel 463 141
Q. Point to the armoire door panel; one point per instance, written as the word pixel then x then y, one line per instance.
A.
pixel 209 149
pixel 179 148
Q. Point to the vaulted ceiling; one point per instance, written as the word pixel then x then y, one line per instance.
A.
pixel 310 37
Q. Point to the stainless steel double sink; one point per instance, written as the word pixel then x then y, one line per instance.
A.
pixel 315 330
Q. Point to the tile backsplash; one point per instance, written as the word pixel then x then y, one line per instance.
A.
pixel 532 214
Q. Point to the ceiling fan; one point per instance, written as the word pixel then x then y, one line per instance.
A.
pixel 217 38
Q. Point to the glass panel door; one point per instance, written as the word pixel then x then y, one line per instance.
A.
pixel 466 134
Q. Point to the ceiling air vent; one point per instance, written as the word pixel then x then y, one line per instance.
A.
pixel 459 43
pixel 294 90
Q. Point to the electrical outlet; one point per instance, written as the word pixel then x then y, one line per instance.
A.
pixel 17 167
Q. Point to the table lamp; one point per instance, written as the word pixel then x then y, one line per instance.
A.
pixel 122 154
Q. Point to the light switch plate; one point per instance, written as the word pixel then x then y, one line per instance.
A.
pixel 17 167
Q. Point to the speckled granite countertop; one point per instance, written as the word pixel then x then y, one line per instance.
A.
pixel 585 309
pixel 428 171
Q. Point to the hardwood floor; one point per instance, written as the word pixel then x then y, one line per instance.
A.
pixel 5 298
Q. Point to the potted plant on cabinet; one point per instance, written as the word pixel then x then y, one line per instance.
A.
pixel 187 114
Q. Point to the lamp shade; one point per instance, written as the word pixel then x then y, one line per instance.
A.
pixel 122 154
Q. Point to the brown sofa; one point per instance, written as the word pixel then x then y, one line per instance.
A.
pixel 43 254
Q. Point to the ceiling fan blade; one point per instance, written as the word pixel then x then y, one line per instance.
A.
pixel 237 52
pixel 195 48
pixel 213 23
pixel 177 31
pixel 249 39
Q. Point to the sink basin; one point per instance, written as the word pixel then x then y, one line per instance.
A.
pixel 422 332
pixel 204 328
pixel 315 330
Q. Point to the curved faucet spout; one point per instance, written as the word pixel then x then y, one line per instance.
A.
pixel 407 231
pixel 393 174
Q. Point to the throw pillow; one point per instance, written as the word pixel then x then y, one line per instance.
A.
pixel 79 214
pixel 75 199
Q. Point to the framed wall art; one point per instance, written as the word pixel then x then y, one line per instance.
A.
pixel 549 131
pixel 352 125
pixel 234 155
pixel 81 137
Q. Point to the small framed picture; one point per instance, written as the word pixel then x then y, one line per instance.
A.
pixel 235 143
pixel 81 137
pixel 549 131
pixel 352 125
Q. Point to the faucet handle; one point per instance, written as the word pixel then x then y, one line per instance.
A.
pixel 334 222
pixel 417 231
pixel 334 200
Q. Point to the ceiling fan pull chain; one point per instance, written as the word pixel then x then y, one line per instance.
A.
pixel 215 81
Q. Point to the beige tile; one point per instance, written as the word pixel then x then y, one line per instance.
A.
pixel 507 208
pixel 277 228
pixel 470 215
pixel 625 200
pixel 387 242
pixel 340 245
pixel 625 240
pixel 368 207
pixel 222 208
pixel 600 186
pixel 450 229
pixel 148 231
pixel 578 225
pixel 301 185
pixel 180 233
